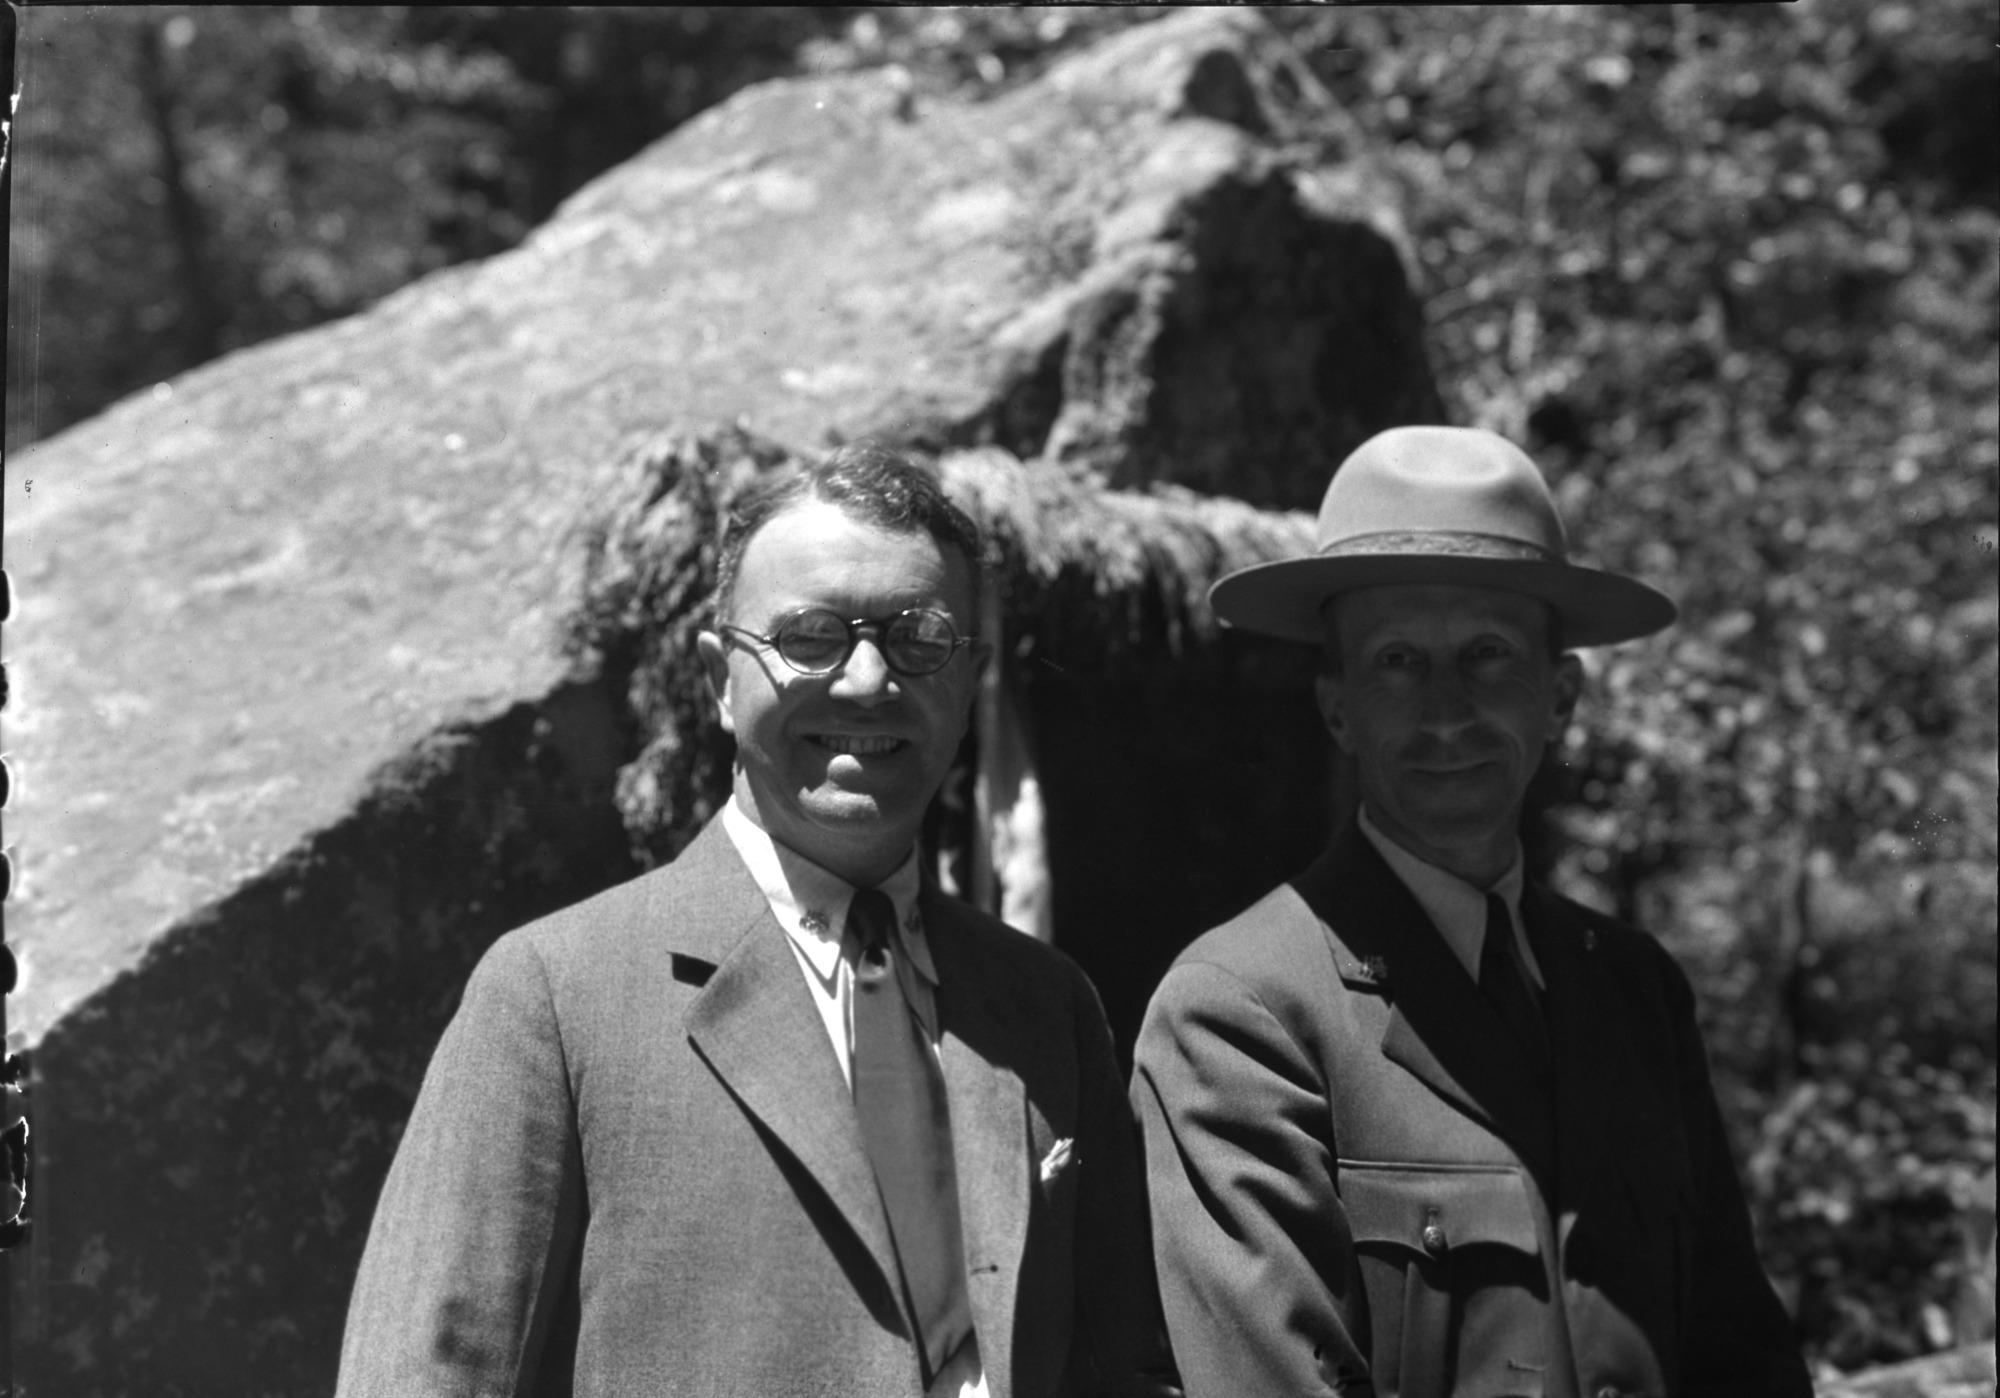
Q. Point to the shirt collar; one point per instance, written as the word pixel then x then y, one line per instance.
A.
pixel 810 902
pixel 1457 908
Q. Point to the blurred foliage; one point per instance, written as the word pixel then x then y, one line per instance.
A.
pixel 193 179
pixel 1731 272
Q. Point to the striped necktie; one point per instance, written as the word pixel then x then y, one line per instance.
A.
pixel 899 1099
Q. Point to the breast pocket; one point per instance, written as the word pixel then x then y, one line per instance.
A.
pixel 1451 1259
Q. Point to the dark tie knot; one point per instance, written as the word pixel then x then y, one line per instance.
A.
pixel 871 917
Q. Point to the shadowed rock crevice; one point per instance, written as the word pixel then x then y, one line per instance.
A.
pixel 1250 363
pixel 1025 409
pixel 1218 87
pixel 1244 350
pixel 206 1199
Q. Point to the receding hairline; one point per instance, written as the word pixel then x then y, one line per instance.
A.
pixel 948 549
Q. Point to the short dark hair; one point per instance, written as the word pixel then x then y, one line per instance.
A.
pixel 1331 662
pixel 865 480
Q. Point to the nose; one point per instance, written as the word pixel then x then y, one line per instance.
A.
pixel 1445 704
pixel 865 678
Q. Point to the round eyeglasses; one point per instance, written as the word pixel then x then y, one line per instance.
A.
pixel 818 641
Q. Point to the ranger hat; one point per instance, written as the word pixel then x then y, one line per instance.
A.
pixel 1439 505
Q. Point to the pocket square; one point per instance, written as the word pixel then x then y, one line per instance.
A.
pixel 1060 1157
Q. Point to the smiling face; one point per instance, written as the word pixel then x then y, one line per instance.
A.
pixel 840 766
pixel 1446 698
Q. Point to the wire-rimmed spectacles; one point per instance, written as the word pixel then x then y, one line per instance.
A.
pixel 818 641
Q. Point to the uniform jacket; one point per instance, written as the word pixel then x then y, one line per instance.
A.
pixel 634 1169
pixel 1356 1190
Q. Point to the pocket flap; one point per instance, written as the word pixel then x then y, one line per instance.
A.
pixel 1433 1208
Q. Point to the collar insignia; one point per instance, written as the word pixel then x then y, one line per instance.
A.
pixel 1371 970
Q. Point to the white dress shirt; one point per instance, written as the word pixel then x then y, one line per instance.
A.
pixel 1457 908
pixel 811 904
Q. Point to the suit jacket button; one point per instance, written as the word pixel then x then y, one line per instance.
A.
pixel 1435 1243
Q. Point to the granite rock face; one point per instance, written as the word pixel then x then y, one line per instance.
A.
pixel 295 729
pixel 212 1127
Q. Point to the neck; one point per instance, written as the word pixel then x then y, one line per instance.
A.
pixel 863 862
pixel 1480 862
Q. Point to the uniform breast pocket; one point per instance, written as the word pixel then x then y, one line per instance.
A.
pixel 1450 1256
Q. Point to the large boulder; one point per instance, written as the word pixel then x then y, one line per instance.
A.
pixel 296 732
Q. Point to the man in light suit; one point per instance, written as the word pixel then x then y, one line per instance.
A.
pixel 781 1118
pixel 1415 1126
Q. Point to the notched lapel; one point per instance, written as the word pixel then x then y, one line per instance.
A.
pixel 690 970
pixel 1441 1029
pixel 755 1024
pixel 1588 1052
pixel 990 1138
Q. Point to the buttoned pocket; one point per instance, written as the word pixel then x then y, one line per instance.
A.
pixel 1450 1258
pixel 1431 1209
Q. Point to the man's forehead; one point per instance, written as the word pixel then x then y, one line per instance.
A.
pixel 1445 607
pixel 812 544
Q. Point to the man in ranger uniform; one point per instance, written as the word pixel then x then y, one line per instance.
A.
pixel 1414 1125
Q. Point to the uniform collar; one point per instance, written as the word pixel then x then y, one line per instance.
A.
pixel 1455 907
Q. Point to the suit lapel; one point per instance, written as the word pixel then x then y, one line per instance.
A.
pixel 989 1132
pixel 755 1024
pixel 1441 1029
pixel 1585 1050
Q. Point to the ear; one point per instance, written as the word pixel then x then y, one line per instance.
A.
pixel 978 656
pixel 1568 691
pixel 714 653
pixel 1331 693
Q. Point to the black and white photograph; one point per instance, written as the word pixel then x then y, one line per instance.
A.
pixel 1074 701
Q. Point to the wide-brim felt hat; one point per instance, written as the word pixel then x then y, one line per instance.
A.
pixel 1456 505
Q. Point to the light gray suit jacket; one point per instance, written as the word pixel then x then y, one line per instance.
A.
pixel 634 1169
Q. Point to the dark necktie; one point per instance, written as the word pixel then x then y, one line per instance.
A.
pixel 899 1100
pixel 1505 985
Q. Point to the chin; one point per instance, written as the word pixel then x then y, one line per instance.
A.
pixel 1455 825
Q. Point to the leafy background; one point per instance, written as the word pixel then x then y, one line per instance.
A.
pixel 1730 272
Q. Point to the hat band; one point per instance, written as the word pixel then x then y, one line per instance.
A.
pixel 1445 542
